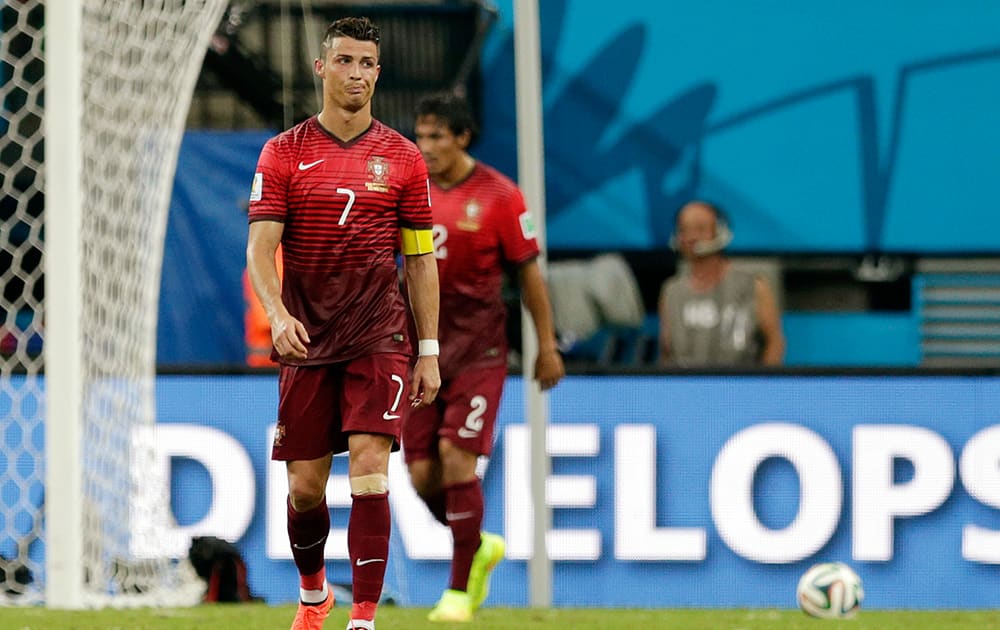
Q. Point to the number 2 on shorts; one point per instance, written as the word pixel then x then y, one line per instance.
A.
pixel 474 421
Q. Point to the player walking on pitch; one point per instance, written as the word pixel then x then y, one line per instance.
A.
pixel 480 224
pixel 340 192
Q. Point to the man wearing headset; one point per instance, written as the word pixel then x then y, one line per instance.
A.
pixel 712 314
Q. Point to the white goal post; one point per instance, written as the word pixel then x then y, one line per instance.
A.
pixel 118 80
pixel 531 178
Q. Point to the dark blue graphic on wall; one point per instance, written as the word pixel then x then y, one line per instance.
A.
pixel 857 128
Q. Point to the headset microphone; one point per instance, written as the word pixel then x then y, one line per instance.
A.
pixel 723 237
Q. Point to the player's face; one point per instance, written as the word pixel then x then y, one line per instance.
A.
pixel 349 73
pixel 441 148
pixel 695 224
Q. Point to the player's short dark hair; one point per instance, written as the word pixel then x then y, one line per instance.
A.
pixel 359 28
pixel 451 109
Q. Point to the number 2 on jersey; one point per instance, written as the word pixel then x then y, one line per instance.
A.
pixel 347 206
pixel 440 234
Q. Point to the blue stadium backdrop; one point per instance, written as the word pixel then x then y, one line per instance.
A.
pixel 666 491
pixel 822 128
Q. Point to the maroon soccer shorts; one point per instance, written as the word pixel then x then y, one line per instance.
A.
pixel 320 405
pixel 465 412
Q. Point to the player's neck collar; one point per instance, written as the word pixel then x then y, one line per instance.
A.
pixel 350 141
pixel 464 177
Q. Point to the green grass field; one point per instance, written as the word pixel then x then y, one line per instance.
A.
pixel 261 617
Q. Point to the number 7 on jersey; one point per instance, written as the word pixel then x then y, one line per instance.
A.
pixel 347 206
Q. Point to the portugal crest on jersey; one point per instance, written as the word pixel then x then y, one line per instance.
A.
pixel 378 171
pixel 470 222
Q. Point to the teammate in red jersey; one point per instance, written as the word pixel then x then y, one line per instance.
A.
pixel 342 193
pixel 480 225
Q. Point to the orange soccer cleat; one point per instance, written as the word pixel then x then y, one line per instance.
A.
pixel 311 616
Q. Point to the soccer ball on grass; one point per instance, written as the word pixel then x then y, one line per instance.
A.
pixel 830 590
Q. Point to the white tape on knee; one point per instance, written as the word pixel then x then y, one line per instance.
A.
pixel 375 483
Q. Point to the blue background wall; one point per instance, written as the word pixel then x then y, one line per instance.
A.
pixel 937 496
pixel 201 292
pixel 693 418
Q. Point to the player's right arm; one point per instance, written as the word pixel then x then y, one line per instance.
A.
pixel 287 333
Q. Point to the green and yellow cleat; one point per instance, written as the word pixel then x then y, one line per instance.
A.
pixel 454 606
pixel 488 556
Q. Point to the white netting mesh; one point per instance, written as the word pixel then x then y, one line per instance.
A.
pixel 21 293
pixel 140 61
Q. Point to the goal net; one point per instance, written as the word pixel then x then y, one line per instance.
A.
pixel 80 510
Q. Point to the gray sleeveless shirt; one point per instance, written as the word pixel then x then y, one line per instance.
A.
pixel 713 328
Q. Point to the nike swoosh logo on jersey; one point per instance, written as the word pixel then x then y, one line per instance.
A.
pixel 389 416
pixel 362 563
pixel 458 516
pixel 467 433
pixel 305 167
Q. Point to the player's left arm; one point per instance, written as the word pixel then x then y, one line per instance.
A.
pixel 519 242
pixel 549 368
pixel 420 267
pixel 769 320
pixel 422 286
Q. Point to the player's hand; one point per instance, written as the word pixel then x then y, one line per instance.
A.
pixel 425 382
pixel 289 337
pixel 549 368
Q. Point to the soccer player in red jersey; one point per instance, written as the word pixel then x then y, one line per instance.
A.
pixel 480 225
pixel 342 193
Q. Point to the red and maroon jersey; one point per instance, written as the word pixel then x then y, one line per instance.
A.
pixel 343 204
pixel 479 224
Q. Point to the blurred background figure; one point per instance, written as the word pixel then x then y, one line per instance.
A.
pixel 588 294
pixel 712 313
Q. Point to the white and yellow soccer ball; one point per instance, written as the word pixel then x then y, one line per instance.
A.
pixel 830 590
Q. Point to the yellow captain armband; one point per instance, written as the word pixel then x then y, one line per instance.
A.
pixel 416 242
